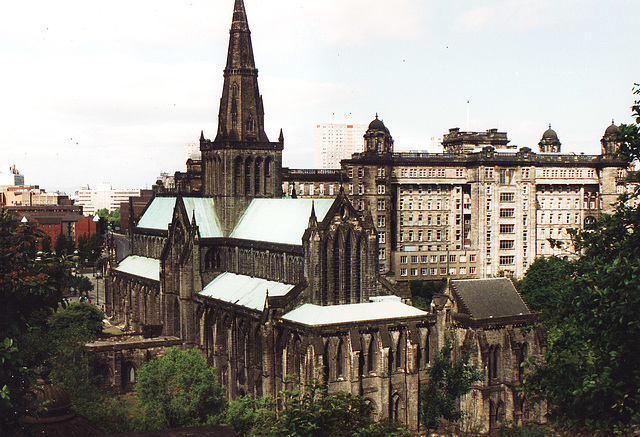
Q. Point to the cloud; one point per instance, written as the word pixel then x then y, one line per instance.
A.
pixel 518 15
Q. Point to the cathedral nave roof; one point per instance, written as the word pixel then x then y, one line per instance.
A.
pixel 279 220
pixel 243 290
pixel 141 266
pixel 316 315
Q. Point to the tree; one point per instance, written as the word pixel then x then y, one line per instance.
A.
pixel 64 245
pixel 112 218
pixel 590 374
pixel 448 380
pixel 544 286
pixel 180 389
pixel 312 412
pixel 422 291
pixel 29 291
pixel 81 317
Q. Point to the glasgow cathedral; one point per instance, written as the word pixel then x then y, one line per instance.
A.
pixel 278 276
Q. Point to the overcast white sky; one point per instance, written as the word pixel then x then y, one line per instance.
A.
pixel 110 91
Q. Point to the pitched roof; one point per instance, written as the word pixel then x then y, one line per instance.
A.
pixel 315 315
pixel 488 298
pixel 245 291
pixel 158 214
pixel 279 220
pixel 140 266
pixel 206 217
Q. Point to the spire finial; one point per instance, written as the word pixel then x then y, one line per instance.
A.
pixel 549 125
pixel 613 122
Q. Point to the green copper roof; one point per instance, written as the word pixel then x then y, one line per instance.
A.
pixel 245 291
pixel 158 214
pixel 279 220
pixel 140 266
pixel 315 315
pixel 206 217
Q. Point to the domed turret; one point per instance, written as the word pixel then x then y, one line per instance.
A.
pixel 611 130
pixel 377 139
pixel 609 145
pixel 549 142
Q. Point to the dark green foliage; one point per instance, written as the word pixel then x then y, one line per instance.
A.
pixel 590 374
pixel 509 429
pixel 80 284
pixel 180 389
pixel 45 244
pixel 248 414
pixel 449 379
pixel 422 291
pixel 310 412
pixel 83 318
pixel 64 246
pixel 29 291
pixel 112 218
pixel 89 249
pixel 544 286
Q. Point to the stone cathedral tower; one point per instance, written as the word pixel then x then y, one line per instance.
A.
pixel 241 163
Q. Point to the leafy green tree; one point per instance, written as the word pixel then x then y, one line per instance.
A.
pixel 64 245
pixel 590 374
pixel 248 415
pixel 448 380
pixel 313 412
pixel 544 286
pixel 45 244
pixel 112 218
pixel 29 292
pixel 180 389
pixel 82 317
pixel 422 291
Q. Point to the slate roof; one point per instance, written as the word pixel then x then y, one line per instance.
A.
pixel 158 214
pixel 279 220
pixel 488 298
pixel 140 266
pixel 246 291
pixel 315 315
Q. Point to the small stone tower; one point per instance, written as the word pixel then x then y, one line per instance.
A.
pixel 609 144
pixel 549 142
pixel 377 139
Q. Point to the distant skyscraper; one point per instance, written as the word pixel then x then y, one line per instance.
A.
pixel 192 151
pixel 337 141
pixel 11 176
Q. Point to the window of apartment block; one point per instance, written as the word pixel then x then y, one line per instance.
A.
pixel 472 270
pixel 382 253
pixel 506 176
pixel 507 228
pixel 381 172
pixel 331 190
pixel 381 221
pixel 452 258
pixel 423 272
pixel 507 197
pixel 350 188
pixel 311 189
pixel 381 189
pixel 443 258
pixel 463 270
pixel 350 172
pixel 423 259
pixel 488 172
pixel 381 205
pixel 443 270
pixel 382 237
pixel 360 189
pixel 506 260
pixel 433 271
pixel 403 272
pixel 321 188
pixel 301 189
pixel 434 258
pixel 414 259
pixel 403 259
pixel 507 212
pixel 438 235
pixel 414 272
pixel 360 172
pixel 507 244
pixel 420 235
pixel 410 222
pixel 410 235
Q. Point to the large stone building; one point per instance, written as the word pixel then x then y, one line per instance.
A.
pixel 276 290
pixel 479 209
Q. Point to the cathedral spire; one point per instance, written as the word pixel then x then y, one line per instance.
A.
pixel 241 115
